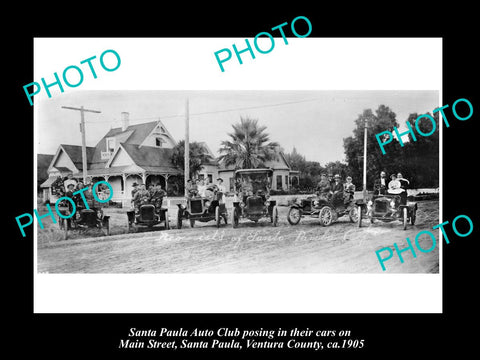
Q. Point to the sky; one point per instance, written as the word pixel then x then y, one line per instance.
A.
pixel 314 122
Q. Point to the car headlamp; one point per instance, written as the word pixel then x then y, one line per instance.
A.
pixel 392 203
pixel 370 203
pixel 183 207
pixel 207 203
pixel 316 202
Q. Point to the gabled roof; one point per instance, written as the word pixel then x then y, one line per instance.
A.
pixel 147 157
pixel 134 134
pixel 74 152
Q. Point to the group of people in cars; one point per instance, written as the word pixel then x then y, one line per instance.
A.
pixel 333 188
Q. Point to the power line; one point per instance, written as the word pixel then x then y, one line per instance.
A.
pixel 215 112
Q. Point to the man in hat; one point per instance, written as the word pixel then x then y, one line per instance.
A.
pixel 69 180
pixel 156 197
pixel 69 193
pixel 380 185
pixel 142 196
pixel 134 190
pixel 337 188
pixel 220 189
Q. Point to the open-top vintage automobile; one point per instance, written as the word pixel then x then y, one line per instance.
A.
pixel 388 208
pixel 83 218
pixel 148 215
pixel 327 210
pixel 252 199
pixel 203 209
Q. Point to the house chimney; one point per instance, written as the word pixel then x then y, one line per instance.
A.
pixel 125 122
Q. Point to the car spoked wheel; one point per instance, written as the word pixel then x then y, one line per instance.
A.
pixel 217 216
pixel 235 218
pixel 326 216
pixel 359 212
pixel 294 216
pixel 354 213
pixel 179 220
pixel 413 217
pixel 275 216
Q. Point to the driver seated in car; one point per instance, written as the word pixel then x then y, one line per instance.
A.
pixel 142 197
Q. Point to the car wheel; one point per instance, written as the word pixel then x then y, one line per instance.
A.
pixel 107 227
pixel 354 214
pixel 65 229
pixel 179 220
pixel 217 216
pixel 405 218
pixel 359 216
pixel 294 215
pixel 167 221
pixel 235 218
pixel 326 216
pixel 275 216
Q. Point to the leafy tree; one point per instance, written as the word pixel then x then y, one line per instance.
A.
pixel 309 171
pixel 382 120
pixel 198 156
pixel 339 168
pixel 249 146
pixel 421 157
pixel 416 160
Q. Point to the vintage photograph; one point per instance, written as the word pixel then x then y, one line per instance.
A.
pixel 236 181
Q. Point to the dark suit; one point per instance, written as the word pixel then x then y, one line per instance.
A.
pixel 380 188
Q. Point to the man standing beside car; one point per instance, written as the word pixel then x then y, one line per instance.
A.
pixel 380 186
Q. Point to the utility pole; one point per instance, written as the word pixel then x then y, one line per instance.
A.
pixel 82 130
pixel 187 148
pixel 365 162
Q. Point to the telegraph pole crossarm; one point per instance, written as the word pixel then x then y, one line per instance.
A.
pixel 82 129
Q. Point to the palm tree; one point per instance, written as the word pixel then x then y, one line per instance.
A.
pixel 248 147
pixel 198 156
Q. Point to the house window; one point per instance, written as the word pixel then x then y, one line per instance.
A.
pixel 210 178
pixel 279 182
pixel 232 184
pixel 159 142
pixel 286 180
pixel 110 144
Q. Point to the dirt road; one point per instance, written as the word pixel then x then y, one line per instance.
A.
pixel 251 248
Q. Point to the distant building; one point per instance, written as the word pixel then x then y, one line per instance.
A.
pixel 283 177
